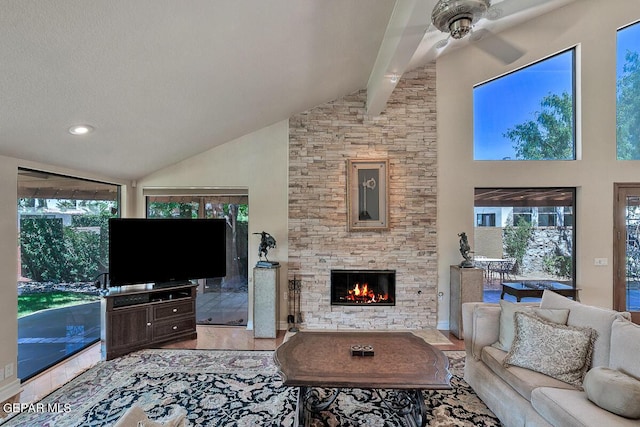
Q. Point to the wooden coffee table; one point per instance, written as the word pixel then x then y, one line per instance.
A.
pixel 401 362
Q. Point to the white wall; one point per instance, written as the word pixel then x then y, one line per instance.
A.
pixel 257 162
pixel 591 25
pixel 8 273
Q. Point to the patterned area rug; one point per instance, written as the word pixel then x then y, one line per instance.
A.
pixel 227 388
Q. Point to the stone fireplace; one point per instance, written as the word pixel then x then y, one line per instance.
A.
pixel 321 142
pixel 363 287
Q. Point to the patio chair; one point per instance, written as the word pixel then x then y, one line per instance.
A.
pixel 504 269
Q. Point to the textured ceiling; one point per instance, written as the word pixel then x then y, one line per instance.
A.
pixel 164 80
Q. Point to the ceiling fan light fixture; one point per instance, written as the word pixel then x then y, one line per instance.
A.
pixel 457 16
pixel 460 28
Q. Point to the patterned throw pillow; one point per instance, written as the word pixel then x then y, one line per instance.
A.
pixel 559 351
pixel 507 320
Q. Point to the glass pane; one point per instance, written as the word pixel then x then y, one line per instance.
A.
pixel 531 242
pixel 63 251
pixel 633 253
pixel 227 298
pixel 528 114
pixel 628 93
pixel 220 301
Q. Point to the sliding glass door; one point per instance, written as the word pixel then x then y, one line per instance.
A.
pixel 220 301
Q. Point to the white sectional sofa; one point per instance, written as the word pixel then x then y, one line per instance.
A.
pixel 511 383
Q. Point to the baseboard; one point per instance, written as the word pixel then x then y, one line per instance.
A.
pixel 443 325
pixel 9 390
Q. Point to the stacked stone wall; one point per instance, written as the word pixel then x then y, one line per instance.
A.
pixel 321 140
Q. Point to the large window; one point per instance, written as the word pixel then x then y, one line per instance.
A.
pixel 63 250
pixel 528 114
pixel 628 93
pixel 534 229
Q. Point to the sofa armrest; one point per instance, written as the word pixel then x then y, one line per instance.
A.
pixel 480 326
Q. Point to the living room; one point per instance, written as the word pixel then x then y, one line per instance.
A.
pixel 295 173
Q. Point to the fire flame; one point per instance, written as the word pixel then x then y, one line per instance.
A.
pixel 362 293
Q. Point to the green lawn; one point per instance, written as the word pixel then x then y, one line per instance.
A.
pixel 31 303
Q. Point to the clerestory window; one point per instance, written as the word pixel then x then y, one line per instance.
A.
pixel 628 93
pixel 528 114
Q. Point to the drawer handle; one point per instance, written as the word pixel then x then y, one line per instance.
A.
pixel 175 328
pixel 175 310
pixel 148 323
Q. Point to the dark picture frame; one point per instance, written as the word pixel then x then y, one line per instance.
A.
pixel 367 195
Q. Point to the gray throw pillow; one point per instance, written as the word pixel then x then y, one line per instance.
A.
pixel 507 320
pixel 559 351
pixel 613 391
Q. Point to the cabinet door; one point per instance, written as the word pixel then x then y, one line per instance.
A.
pixel 129 327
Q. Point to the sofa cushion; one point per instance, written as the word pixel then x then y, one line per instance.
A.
pixel 571 408
pixel 522 380
pixel 583 315
pixel 484 327
pixel 625 347
pixel 614 391
pixel 507 321
pixel 560 351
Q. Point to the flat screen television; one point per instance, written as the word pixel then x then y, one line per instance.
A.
pixel 165 250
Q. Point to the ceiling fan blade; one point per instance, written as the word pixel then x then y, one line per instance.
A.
pixel 510 7
pixel 496 46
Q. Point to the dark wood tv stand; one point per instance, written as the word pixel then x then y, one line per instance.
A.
pixel 143 316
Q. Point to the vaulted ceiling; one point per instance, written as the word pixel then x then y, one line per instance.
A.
pixel 163 80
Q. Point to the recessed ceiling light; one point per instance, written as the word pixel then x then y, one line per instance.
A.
pixel 80 129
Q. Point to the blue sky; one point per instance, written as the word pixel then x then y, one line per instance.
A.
pixel 502 103
pixel 628 39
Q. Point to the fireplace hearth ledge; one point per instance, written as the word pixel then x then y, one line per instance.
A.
pixel 431 336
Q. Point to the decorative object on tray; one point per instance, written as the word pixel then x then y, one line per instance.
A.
pixel 362 350
pixel 267 241
pixel 465 251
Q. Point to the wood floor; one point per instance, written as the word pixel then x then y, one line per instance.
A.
pixel 209 337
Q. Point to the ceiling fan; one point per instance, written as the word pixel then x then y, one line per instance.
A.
pixel 460 18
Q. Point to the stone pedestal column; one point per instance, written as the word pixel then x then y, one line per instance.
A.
pixel 465 285
pixel 266 306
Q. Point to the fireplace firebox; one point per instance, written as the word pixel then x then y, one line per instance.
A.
pixel 363 287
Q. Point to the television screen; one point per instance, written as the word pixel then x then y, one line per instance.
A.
pixel 165 250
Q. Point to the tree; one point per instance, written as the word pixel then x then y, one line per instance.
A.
pixel 628 109
pixel 516 239
pixel 550 135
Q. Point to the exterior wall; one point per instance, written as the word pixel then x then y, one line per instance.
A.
pixel 321 141
pixel 488 242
